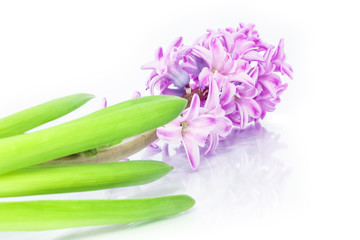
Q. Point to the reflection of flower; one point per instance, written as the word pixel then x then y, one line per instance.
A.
pixel 238 66
pixel 244 175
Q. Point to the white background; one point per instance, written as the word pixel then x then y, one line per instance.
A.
pixel 296 177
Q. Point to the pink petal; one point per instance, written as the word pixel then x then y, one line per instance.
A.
pixel 223 126
pixel 287 69
pixel 279 52
pixel 203 122
pixel 218 53
pixel 177 42
pixel 213 97
pixel 192 152
pixel 170 134
pixel 243 78
pixel 153 83
pixel 252 108
pixel 246 91
pixel 255 74
pixel 204 54
pixel 229 107
pixel 270 82
pixel 228 66
pixel 198 137
pixel 105 103
pixel 227 93
pixel 159 54
pixel 281 89
pixel 193 111
pixel 213 142
pixel 228 41
pixel 243 115
pixel 253 56
pixel 204 77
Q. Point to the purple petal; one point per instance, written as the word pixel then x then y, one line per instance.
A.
pixel 203 54
pixel 203 122
pixel 213 142
pixel 270 82
pixel 192 152
pixel 213 97
pixel 229 107
pixel 218 53
pixel 253 56
pixel 177 42
pixel 204 77
pixel 229 66
pixel 246 91
pixel 170 134
pixel 197 136
pixel 194 109
pixel 159 54
pixel 223 126
pixel 287 69
pixel 227 93
pixel 175 92
pixel 243 115
pixel 251 107
pixel 255 74
pixel 243 78
pixel 178 76
pixel 105 103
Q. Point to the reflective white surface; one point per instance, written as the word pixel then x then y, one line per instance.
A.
pixel 295 176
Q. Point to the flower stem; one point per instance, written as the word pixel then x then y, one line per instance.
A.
pixel 123 150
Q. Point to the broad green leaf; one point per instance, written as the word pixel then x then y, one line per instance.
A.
pixel 76 178
pixel 95 130
pixel 57 214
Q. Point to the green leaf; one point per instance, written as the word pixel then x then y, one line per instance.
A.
pixel 98 129
pixel 76 178
pixel 21 122
pixel 57 214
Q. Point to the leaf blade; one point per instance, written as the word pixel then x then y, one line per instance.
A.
pixel 57 214
pixel 25 120
pixel 78 178
pixel 98 129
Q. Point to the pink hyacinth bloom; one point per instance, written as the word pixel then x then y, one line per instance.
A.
pixel 191 129
pixel 230 78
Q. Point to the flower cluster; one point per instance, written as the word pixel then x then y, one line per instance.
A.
pixel 230 79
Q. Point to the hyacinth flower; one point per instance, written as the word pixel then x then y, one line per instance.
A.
pixel 191 129
pixel 234 73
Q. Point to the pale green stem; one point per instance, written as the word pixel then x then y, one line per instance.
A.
pixel 123 150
